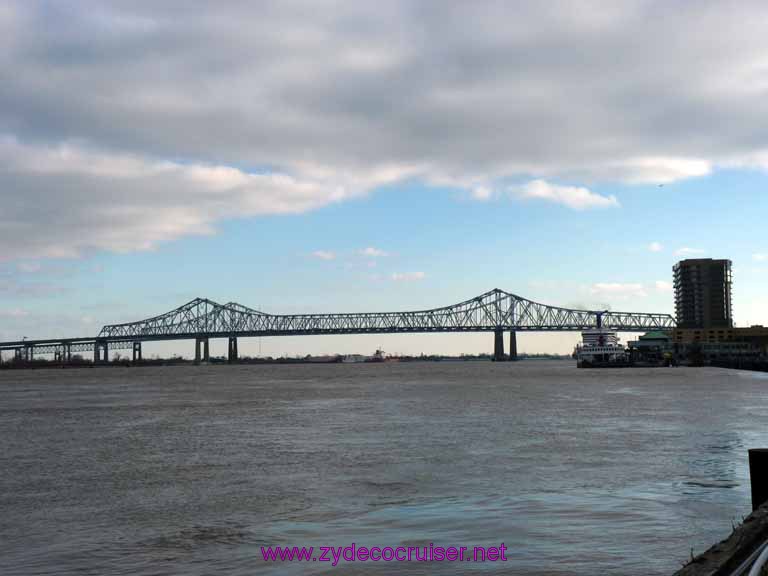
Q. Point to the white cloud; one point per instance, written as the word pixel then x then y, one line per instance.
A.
pixel 663 286
pixel 655 247
pixel 759 257
pixel 13 313
pixel 371 252
pixel 408 276
pixel 29 267
pixel 687 251
pixel 324 255
pixel 15 286
pixel 313 103
pixel 482 193
pixel 618 290
pixel 574 197
pixel 661 170
pixel 126 202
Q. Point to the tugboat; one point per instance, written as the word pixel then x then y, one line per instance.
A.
pixel 378 356
pixel 600 348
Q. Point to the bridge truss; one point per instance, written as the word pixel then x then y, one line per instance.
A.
pixel 495 311
pixel 491 311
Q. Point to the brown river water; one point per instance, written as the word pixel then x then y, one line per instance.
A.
pixel 191 470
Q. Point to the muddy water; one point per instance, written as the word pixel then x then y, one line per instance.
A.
pixel 184 470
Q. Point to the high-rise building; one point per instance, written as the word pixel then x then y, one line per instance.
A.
pixel 703 293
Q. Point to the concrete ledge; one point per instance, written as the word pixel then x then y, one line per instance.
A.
pixel 724 557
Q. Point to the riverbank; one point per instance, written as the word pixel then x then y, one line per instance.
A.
pixel 756 364
pixel 726 556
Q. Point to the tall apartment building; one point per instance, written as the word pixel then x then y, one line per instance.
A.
pixel 703 293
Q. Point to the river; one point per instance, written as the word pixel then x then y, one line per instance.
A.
pixel 192 470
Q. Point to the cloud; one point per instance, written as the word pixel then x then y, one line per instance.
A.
pixel 131 124
pixel 29 267
pixel 655 247
pixel 687 251
pixel 122 203
pixel 13 313
pixel 324 255
pixel 408 276
pixel 660 170
pixel 759 257
pixel 19 322
pixel 481 193
pixel 574 197
pixel 371 252
pixel 618 290
pixel 663 286
pixel 15 287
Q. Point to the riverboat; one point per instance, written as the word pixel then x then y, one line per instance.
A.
pixel 600 348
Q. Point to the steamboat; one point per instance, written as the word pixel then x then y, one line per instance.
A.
pixel 600 348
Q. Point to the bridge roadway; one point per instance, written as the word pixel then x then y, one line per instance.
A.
pixel 201 319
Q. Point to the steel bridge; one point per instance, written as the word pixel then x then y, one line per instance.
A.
pixel 202 319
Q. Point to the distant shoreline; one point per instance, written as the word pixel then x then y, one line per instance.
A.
pixel 125 363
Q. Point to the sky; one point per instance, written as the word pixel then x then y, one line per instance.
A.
pixel 333 156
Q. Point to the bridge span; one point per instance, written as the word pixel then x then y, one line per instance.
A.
pixel 201 319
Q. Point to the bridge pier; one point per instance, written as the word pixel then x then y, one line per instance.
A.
pixel 232 353
pixel 137 351
pixel 100 352
pixel 29 353
pixel 205 351
pixel 67 352
pixel 498 345
pixel 513 345
pixel 203 354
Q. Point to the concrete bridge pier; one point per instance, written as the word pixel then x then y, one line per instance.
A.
pixel 100 352
pixel 206 356
pixel 498 345
pixel 67 353
pixel 232 353
pixel 29 353
pixel 513 345
pixel 17 354
pixel 137 351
